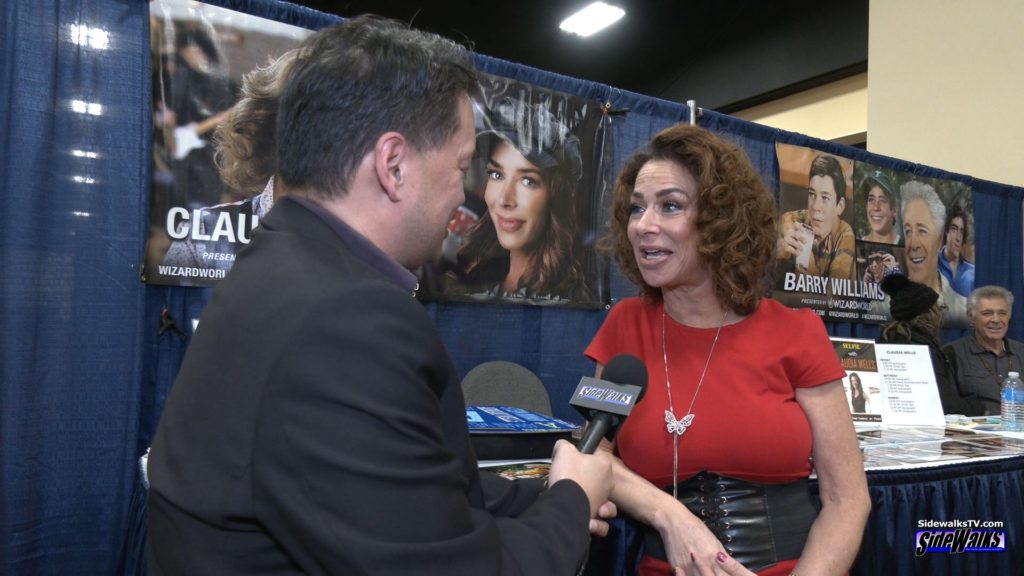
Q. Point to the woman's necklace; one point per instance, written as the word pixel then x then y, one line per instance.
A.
pixel 678 427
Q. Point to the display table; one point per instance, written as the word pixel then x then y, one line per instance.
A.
pixel 972 490
pixel 957 487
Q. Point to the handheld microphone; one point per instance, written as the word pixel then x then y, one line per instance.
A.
pixel 607 402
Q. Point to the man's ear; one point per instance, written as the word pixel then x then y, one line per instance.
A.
pixel 840 205
pixel 390 158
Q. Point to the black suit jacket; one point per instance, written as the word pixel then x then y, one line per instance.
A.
pixel 317 426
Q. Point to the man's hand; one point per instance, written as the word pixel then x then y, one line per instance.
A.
pixel 593 472
pixel 599 526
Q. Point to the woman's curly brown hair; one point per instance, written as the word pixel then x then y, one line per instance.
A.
pixel 735 214
pixel 246 141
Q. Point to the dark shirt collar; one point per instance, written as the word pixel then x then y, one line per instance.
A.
pixel 361 247
pixel 977 348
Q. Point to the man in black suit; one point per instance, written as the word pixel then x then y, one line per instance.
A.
pixel 317 425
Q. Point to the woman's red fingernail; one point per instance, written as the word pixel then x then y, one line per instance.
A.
pixel 721 556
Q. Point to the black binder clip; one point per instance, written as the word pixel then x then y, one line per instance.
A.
pixel 167 323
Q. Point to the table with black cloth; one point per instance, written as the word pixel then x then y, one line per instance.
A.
pixel 986 489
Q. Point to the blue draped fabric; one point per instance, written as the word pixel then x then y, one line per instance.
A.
pixel 984 491
pixel 72 227
pixel 85 371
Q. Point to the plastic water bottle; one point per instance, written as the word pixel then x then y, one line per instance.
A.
pixel 1012 404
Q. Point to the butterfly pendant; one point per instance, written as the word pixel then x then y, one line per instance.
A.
pixel 677 427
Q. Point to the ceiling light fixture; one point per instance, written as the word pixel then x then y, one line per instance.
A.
pixel 594 17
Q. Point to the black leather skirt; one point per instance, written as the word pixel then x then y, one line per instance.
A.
pixel 758 524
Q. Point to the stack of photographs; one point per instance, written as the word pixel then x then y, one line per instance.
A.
pixel 913 447
pixel 514 470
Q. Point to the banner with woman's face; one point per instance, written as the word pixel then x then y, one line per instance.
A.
pixel 534 199
pixel 832 256
pixel 526 233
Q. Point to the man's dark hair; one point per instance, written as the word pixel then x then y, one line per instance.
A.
pixel 956 211
pixel 357 80
pixel 825 165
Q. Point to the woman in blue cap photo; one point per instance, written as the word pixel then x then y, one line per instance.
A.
pixel 525 248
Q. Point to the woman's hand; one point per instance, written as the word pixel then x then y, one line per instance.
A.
pixel 724 564
pixel 694 551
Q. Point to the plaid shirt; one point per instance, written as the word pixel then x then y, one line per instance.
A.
pixel 835 254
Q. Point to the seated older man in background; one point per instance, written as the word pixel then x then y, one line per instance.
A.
pixel 982 359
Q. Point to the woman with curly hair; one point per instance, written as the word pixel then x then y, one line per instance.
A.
pixel 246 157
pixel 525 249
pixel 246 141
pixel 744 396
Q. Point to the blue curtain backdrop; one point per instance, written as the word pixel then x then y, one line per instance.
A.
pixel 85 372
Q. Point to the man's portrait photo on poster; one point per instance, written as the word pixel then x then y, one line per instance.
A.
pixel 816 255
pixel 933 239
pixel 833 255
pixel 526 232
pixel 815 236
pixel 929 207
pixel 878 206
